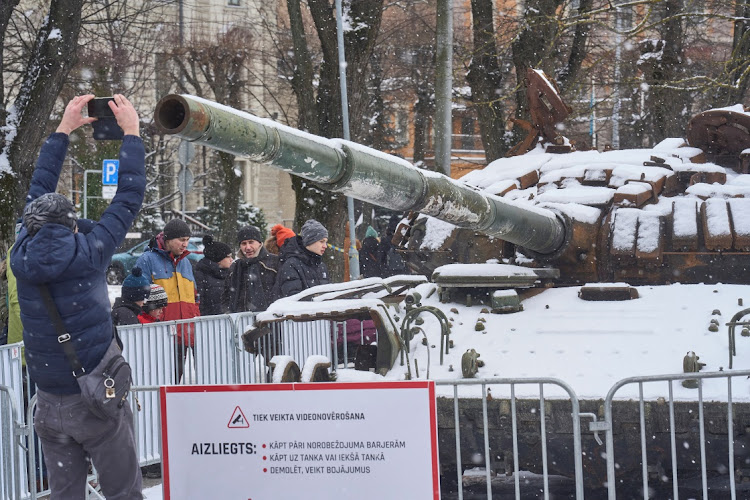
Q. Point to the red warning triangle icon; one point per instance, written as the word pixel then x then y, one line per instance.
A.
pixel 238 420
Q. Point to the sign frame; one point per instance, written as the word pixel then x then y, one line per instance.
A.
pixel 429 469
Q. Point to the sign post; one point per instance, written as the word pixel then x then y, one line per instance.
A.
pixel 110 170
pixel 185 154
pixel 316 441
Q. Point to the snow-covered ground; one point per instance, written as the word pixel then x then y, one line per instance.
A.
pixel 592 345
pixel 153 493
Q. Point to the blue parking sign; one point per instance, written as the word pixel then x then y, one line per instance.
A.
pixel 109 172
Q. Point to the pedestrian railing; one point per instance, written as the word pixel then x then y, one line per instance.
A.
pixel 485 429
pixel 11 370
pixel 13 477
pixel 500 427
pixel 665 466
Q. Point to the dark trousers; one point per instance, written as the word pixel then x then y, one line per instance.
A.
pixel 71 435
pixel 180 353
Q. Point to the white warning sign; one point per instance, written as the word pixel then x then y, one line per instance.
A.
pixel 315 441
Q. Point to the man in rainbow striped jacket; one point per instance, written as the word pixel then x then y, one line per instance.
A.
pixel 165 263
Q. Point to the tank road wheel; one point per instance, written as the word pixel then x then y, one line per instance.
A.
pixel 115 274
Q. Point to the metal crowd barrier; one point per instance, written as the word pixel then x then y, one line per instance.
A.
pixel 247 368
pixel 217 356
pixel 154 354
pixel 11 370
pixel 13 478
pixel 485 464
pixel 684 448
pixel 156 351
pixel 299 340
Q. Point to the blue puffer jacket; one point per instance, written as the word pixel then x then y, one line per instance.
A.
pixel 73 266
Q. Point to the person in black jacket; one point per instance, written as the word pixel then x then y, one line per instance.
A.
pixel 135 290
pixel 253 275
pixel 368 255
pixel 391 263
pixel 211 273
pixel 301 263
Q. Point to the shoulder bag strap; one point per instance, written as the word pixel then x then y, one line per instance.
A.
pixel 63 337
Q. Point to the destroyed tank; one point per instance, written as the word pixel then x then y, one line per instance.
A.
pixel 677 212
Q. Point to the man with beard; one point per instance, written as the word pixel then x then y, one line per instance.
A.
pixel 253 274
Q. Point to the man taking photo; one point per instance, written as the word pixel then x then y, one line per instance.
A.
pixel 51 251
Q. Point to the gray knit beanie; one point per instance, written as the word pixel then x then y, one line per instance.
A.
pixel 313 231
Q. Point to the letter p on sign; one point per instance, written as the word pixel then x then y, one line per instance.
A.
pixel 109 172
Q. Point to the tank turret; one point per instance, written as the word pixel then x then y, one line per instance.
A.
pixel 658 215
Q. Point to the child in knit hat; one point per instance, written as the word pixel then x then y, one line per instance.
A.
pixel 135 290
pixel 153 308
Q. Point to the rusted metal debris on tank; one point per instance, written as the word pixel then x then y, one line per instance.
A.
pixel 723 134
pixel 547 110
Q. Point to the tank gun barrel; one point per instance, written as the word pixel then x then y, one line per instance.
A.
pixel 358 171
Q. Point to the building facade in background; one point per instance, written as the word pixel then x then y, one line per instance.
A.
pixel 248 26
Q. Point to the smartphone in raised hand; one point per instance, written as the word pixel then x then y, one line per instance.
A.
pixel 105 126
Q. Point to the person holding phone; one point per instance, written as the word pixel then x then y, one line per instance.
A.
pixel 51 251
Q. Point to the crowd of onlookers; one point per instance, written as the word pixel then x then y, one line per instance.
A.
pixel 164 285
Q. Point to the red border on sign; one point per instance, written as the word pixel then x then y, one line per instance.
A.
pixel 164 447
pixel 327 386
